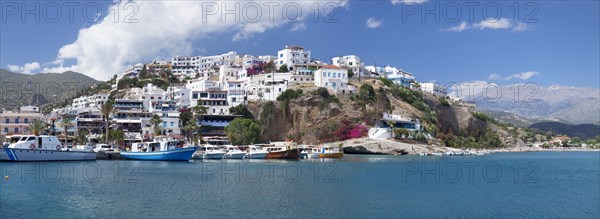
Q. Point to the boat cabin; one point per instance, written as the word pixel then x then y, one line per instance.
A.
pixel 155 146
pixel 42 142
pixel 325 150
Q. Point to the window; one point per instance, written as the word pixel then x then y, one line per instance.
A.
pixel 5 130
pixel 7 121
pixel 194 96
pixel 172 124
pixel 164 124
pixel 17 130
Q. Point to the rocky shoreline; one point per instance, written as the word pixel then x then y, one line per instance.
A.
pixel 386 146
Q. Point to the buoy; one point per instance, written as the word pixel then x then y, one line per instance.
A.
pixel 6 178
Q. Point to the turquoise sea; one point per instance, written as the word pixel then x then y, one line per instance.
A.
pixel 501 185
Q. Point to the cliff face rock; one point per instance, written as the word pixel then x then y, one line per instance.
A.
pixel 304 120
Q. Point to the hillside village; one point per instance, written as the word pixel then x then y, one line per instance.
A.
pixel 198 96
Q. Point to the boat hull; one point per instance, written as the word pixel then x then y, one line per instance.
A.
pixel 11 154
pixel 180 154
pixel 288 154
pixel 212 156
pixel 235 155
pixel 256 155
pixel 331 155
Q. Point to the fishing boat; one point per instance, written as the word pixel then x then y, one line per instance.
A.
pixel 233 152
pixel 167 150
pixel 282 150
pixel 326 151
pixel 255 152
pixel 209 152
pixel 43 148
pixel 305 150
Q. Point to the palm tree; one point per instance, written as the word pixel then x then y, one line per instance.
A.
pixel 106 109
pixel 191 128
pixel 82 136
pixel 156 120
pixel 65 122
pixel 37 126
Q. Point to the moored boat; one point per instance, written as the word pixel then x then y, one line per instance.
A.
pixel 255 152
pixel 233 152
pixel 43 148
pixel 165 150
pixel 282 150
pixel 209 152
pixel 326 151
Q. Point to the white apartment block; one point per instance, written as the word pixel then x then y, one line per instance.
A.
pixel 190 65
pixel 302 75
pixel 168 112
pixel 229 73
pixel 236 92
pixel 18 122
pixel 434 88
pixel 131 71
pixel 180 94
pixel 332 77
pixel 351 62
pixel 292 56
pixel 267 86
pixel 94 101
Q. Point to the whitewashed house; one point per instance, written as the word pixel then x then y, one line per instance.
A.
pixel 351 62
pixel 292 56
pixel 434 88
pixel 331 77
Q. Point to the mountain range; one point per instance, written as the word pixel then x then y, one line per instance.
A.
pixel 576 105
pixel 18 89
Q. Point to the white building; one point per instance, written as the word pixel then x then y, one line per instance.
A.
pixel 169 114
pixel 93 101
pixel 292 56
pixel 302 75
pixel 191 65
pixel 18 122
pixel 331 77
pixel 229 73
pixel 351 62
pixel 434 88
pixel 266 86
pixel 180 94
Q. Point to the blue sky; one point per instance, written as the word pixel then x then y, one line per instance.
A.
pixel 559 44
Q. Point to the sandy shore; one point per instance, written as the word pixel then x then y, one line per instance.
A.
pixel 387 146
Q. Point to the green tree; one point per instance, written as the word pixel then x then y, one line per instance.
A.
pixel 241 110
pixel 65 122
pixel 199 110
pixel 267 114
pixel 350 73
pixel 116 136
pixel 283 68
pixel 82 136
pixel 185 116
pixel 192 129
pixel 143 73
pixel 242 131
pixel 106 109
pixel 37 126
pixel 155 121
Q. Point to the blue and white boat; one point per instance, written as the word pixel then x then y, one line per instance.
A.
pixel 166 150
pixel 43 148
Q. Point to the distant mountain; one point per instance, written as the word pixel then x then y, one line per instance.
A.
pixel 574 104
pixel 18 90
pixel 583 131
pixel 520 121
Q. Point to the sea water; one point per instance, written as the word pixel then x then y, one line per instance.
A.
pixel 501 185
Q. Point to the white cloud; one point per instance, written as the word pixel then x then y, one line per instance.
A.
pixel 459 28
pixel 374 23
pixel 408 2
pixel 107 47
pixel 520 26
pixel 298 27
pixel 494 77
pixel 28 68
pixel 523 75
pixel 495 24
pixel 502 23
